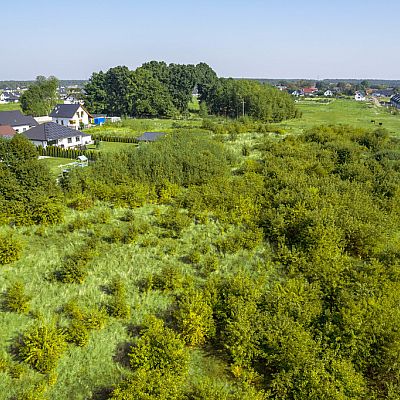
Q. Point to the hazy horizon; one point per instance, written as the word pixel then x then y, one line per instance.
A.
pixel 254 39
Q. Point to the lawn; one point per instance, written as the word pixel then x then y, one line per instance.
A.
pixel 54 163
pixel 10 106
pixel 136 127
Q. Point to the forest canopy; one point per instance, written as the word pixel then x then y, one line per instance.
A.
pixel 157 89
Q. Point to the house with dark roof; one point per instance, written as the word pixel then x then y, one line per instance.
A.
pixel 18 121
pixel 150 136
pixel 6 132
pixel 73 116
pixel 52 134
pixel 395 101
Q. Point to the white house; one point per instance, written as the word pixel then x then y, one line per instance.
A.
pixel 359 96
pixel 18 121
pixel 71 115
pixel 52 134
pixel 71 99
pixel 328 93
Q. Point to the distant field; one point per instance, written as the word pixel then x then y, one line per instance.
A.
pixel 347 112
pixel 10 107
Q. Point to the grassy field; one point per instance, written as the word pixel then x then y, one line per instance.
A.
pixel 339 111
pixel 10 107
pixel 100 363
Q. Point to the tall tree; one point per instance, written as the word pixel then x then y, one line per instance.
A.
pixel 41 96
pixel 95 93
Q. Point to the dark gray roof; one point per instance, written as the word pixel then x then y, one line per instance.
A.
pixel 52 131
pixel 16 118
pixel 64 110
pixel 150 136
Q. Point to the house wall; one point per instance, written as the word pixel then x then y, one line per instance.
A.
pixel 21 128
pixel 74 142
pixel 64 143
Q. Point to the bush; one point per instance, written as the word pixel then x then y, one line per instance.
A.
pixel 10 249
pixel 118 306
pixel 41 346
pixel 81 202
pixel 159 348
pixel 15 298
pixel 77 333
pixel 194 318
pixel 175 221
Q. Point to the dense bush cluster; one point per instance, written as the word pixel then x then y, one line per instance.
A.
pixel 28 193
pixel 150 173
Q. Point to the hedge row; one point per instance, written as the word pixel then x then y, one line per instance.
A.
pixel 54 151
pixel 107 138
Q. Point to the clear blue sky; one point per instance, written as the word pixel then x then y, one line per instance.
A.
pixel 266 39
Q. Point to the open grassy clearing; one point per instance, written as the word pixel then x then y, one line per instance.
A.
pixel 10 106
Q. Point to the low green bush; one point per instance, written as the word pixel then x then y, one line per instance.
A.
pixel 15 299
pixel 41 346
pixel 10 249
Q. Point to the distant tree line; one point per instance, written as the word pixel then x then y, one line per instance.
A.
pixel 159 90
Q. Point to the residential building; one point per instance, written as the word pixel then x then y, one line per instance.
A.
pixel 359 96
pixel 73 116
pixel 395 101
pixel 18 121
pixel 328 93
pixel 52 134
pixel 7 132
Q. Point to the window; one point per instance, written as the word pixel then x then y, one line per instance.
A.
pixel 72 122
pixel 24 129
pixel 62 122
pixel 69 140
pixel 77 138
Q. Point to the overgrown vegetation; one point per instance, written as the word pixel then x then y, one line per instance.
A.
pixel 184 271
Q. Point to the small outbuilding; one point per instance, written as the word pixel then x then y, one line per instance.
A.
pixel 150 136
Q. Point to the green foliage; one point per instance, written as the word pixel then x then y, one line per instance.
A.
pixel 41 96
pixel 10 249
pixel 159 348
pixel 27 190
pixel 174 220
pixel 149 385
pixel 194 316
pixel 41 346
pixel 75 265
pixel 118 306
pixel 15 299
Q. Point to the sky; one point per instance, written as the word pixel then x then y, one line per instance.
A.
pixel 311 39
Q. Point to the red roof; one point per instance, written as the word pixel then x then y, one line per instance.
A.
pixel 6 130
pixel 310 90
